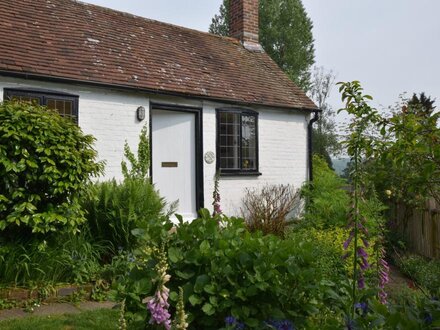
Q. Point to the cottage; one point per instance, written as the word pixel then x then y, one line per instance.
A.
pixel 211 103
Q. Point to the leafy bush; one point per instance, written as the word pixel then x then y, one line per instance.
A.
pixel 45 161
pixel 226 270
pixel 329 251
pixel 114 209
pixel 425 272
pixel 327 201
pixel 267 210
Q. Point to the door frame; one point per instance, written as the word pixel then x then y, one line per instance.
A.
pixel 198 113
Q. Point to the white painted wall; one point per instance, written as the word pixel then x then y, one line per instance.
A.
pixel 282 155
pixel 110 116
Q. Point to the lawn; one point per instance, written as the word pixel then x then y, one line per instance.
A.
pixel 99 319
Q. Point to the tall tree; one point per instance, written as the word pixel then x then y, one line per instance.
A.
pixel 408 165
pixel 285 34
pixel 325 140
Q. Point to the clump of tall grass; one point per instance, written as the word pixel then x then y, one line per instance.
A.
pixel 69 258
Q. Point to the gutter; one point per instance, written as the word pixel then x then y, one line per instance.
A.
pixel 310 143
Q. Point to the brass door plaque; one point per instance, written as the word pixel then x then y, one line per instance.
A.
pixel 170 164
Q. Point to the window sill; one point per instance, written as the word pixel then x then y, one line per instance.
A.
pixel 240 173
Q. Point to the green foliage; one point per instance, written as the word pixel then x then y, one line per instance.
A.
pixel 327 250
pixel 45 161
pixel 68 258
pixel 285 34
pixel 140 165
pixel 408 161
pixel 225 270
pixel 329 202
pixel 360 147
pixel 410 312
pixel 425 272
pixel 114 210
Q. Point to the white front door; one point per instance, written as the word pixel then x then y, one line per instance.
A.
pixel 174 159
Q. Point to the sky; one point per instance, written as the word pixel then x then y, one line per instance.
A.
pixel 390 46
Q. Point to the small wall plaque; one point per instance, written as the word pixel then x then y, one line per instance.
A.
pixel 209 157
pixel 170 164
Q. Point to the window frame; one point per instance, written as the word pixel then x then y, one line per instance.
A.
pixel 238 172
pixel 43 95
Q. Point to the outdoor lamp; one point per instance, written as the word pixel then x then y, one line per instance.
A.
pixel 140 113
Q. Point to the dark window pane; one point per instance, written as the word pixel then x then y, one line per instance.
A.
pixel 22 98
pixel 64 107
pixel 51 104
pixel 248 142
pixel 237 141
pixel 229 128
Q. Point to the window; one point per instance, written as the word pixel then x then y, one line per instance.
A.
pixel 65 104
pixel 237 142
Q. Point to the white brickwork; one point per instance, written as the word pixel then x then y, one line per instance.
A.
pixel 110 116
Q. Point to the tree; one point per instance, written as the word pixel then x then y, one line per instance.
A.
pixel 407 166
pixel 285 34
pixel 325 140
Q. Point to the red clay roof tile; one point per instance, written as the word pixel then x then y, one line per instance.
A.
pixel 78 41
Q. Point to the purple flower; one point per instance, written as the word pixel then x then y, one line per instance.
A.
pixel 216 195
pixel 281 324
pixel 428 319
pixel 349 323
pixel 363 307
pixel 383 277
pixel 361 281
pixel 349 239
pixel 158 307
pixel 240 326
pixel 230 320
pixel 363 258
pixel 233 322
pixel 366 244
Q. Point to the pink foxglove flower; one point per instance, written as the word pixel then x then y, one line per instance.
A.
pixel 383 276
pixel 158 304
pixel 216 195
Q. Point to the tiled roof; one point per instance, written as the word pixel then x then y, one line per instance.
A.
pixel 83 42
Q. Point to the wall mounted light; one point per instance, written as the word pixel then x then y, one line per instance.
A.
pixel 140 113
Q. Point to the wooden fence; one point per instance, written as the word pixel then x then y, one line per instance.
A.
pixel 419 227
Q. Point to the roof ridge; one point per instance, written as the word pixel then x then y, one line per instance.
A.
pixel 124 13
pixel 81 42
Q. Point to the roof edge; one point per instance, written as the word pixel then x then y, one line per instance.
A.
pixel 41 77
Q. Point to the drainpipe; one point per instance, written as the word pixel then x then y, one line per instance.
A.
pixel 310 143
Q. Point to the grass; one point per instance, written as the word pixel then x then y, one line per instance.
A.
pixel 104 319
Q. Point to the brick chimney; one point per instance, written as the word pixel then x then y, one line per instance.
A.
pixel 244 22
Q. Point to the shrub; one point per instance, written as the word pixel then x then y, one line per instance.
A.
pixel 45 161
pixel 267 209
pixel 329 250
pixel 327 202
pixel 425 272
pixel 225 270
pixel 114 210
